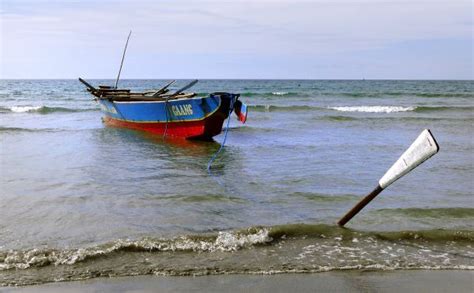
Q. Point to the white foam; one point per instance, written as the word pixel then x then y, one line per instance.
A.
pixel 23 109
pixel 279 93
pixel 373 109
pixel 225 242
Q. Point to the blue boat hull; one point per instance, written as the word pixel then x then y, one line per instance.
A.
pixel 190 118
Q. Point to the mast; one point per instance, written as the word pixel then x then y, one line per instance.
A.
pixel 123 58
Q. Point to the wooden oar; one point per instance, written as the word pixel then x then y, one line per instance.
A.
pixel 163 89
pixel 423 148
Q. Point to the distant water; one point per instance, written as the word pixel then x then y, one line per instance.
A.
pixel 80 200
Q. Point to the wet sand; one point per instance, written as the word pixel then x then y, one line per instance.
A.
pixel 348 281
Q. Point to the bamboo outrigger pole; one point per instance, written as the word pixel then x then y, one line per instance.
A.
pixel 423 148
pixel 123 57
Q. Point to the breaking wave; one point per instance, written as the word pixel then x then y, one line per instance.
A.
pixel 223 242
pixel 41 109
pixel 375 94
pixel 394 109
pixel 362 109
pixel 275 108
pixel 256 250
pixel 373 109
pixel 261 94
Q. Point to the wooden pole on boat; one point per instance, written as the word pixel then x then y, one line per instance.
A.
pixel 123 58
pixel 423 148
pixel 183 88
pixel 163 89
pixel 87 85
pixel 90 88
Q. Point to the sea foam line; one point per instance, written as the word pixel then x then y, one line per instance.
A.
pixel 222 242
pixel 42 109
pixel 23 109
pixel 373 109
pixel 280 93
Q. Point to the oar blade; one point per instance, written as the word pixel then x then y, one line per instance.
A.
pixel 423 148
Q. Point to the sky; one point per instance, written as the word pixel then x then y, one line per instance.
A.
pixel 260 39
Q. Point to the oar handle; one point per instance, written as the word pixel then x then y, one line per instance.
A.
pixel 360 205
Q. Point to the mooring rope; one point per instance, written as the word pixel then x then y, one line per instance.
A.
pixel 209 164
pixel 167 119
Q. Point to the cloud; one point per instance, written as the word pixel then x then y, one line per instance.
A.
pixel 37 29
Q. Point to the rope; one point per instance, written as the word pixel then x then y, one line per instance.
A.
pixel 209 164
pixel 167 119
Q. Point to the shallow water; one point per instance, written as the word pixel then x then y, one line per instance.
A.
pixel 80 200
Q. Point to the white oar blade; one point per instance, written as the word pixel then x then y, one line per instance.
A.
pixel 423 148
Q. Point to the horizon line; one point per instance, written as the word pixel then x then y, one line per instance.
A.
pixel 262 79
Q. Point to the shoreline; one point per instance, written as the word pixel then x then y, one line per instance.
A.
pixel 334 281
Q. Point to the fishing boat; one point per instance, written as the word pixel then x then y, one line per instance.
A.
pixel 177 114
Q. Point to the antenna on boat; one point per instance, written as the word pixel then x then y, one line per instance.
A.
pixel 123 58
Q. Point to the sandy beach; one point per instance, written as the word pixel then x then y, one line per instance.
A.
pixel 349 281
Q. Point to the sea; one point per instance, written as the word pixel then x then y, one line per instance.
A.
pixel 81 200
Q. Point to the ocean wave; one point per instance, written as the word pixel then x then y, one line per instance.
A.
pixel 444 95
pixel 325 197
pixel 261 94
pixel 451 213
pixel 421 109
pixel 16 129
pixel 359 108
pixel 376 94
pixel 227 242
pixel 203 198
pixel 256 250
pixel 23 109
pixel 274 108
pixel 7 129
pixel 373 109
pixel 270 94
pixel 323 230
pixel 223 242
pixel 252 129
pixel 338 118
pixel 422 119
pixel 41 109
